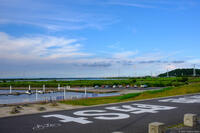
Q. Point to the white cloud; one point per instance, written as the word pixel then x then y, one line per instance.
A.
pixel 124 54
pixel 194 61
pixel 48 55
pixel 170 67
pixel 150 56
pixel 115 46
pixel 39 47
pixel 131 4
pixel 161 4
pixel 51 15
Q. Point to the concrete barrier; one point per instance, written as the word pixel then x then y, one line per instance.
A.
pixel 156 127
pixel 190 120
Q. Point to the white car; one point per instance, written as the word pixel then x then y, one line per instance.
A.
pixel 96 86
pixel 143 86
pixel 114 86
pixel 135 86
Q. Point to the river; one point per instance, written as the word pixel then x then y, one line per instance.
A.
pixel 10 99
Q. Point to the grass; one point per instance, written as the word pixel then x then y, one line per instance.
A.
pixel 169 91
pixel 152 82
pixel 179 125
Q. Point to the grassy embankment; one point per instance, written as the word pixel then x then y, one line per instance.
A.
pixel 170 91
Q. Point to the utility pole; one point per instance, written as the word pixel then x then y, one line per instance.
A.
pixel 167 73
pixel 194 71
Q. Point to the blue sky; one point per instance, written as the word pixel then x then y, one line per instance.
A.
pixel 97 38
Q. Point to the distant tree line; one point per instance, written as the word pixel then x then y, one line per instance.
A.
pixel 181 73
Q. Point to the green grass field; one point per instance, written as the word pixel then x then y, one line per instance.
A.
pixel 169 91
pixel 151 82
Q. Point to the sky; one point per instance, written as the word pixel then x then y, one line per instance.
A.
pixel 97 38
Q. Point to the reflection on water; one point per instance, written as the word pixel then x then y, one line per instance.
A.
pixel 7 99
pixel 8 91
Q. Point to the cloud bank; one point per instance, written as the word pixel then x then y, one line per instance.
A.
pixel 39 47
pixel 53 56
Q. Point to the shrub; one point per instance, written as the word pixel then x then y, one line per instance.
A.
pixel 183 79
pixel 177 83
pixel 41 108
pixel 54 104
pixel 14 110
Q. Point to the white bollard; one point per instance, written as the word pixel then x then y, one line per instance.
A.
pixel 190 120
pixel 64 92
pixel 10 89
pixel 58 87
pixel 36 95
pixel 44 88
pixel 29 87
pixel 156 127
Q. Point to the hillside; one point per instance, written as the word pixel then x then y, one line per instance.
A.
pixel 181 72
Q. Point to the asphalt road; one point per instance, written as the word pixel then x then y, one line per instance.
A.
pixel 130 117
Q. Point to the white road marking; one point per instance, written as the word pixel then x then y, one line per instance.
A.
pixel 188 99
pixel 140 108
pixel 102 115
pixel 81 120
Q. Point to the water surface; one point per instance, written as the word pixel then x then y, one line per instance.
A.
pixel 8 99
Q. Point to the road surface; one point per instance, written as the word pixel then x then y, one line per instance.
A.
pixel 130 117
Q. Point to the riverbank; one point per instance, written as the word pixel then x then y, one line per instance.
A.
pixel 32 108
pixel 169 91
pixel 79 103
pixel 49 90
